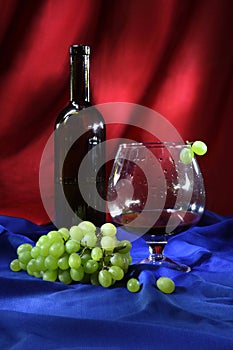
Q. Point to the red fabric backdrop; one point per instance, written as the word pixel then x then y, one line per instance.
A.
pixel 174 56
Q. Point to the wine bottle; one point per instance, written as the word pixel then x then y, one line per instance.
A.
pixel 79 136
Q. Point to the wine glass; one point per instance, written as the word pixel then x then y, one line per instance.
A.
pixel 155 192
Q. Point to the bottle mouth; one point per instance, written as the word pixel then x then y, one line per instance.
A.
pixel 80 50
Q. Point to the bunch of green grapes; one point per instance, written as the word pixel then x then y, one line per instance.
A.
pixel 81 254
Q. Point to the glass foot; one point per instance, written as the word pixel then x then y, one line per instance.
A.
pixel 163 261
pixel 157 258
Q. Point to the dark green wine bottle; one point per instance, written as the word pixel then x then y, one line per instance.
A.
pixel 79 136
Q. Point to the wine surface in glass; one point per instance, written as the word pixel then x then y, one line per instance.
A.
pixel 161 226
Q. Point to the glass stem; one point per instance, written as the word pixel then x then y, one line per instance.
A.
pixel 156 251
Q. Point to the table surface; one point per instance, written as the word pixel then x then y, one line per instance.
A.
pixel 36 314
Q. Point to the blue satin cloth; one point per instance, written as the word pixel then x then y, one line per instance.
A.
pixel 36 314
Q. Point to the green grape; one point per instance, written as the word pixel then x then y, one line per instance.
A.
pixel 118 260
pixel 45 248
pixel 25 256
pixel 35 252
pixel 72 246
pixel 105 278
pixel 50 275
pixel 63 262
pixel 89 240
pixel 108 243
pixel 87 226
pixel 23 266
pixel 116 272
pixel 32 267
pixel 43 239
pixel 24 247
pixel 54 236
pixel 64 276
pixel 94 278
pixel 126 246
pixel 37 274
pixel 90 266
pixel 76 233
pixel 77 274
pixel 40 263
pixel 199 147
pixel 165 285
pixel 133 285
pixel 15 265
pixel 51 262
pixel 129 258
pixel 74 261
pixel 85 257
pixel 57 249
pixel 186 155
pixel 64 233
pixel 108 229
pixel 97 253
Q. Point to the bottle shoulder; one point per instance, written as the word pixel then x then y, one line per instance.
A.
pixel 73 110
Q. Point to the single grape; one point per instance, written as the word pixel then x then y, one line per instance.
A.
pixel 90 266
pixel 89 240
pixel 64 233
pixel 97 253
pixel 64 276
pixel 87 226
pixel 15 265
pixel 43 239
pixel 32 267
pixel 76 233
pixel 108 243
pixel 38 274
pixel 126 246
pixel 72 246
pixel 54 236
pixel 116 272
pixel 74 261
pixel 24 247
pixel 51 262
pixel 133 285
pixel 57 249
pixel 199 147
pixel 77 274
pixel 186 155
pixel 85 257
pixel 50 275
pixel 45 248
pixel 118 260
pixel 63 262
pixel 25 256
pixel 23 266
pixel 40 263
pixel 108 229
pixel 165 285
pixel 35 252
pixel 105 278
pixel 94 278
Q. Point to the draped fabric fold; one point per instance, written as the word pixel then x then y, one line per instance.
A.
pixel 198 315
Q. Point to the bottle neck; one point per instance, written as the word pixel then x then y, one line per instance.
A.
pixel 80 74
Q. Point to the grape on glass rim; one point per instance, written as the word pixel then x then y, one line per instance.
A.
pixel 196 147
pixel 199 147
